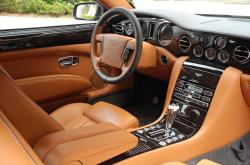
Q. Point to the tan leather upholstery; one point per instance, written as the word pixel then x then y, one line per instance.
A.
pixel 92 149
pixel 43 88
pixel 81 115
pixel 50 141
pixel 14 149
pixel 22 111
pixel 202 162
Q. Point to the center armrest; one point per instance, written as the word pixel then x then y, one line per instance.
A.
pixel 88 145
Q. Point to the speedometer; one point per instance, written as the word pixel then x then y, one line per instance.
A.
pixel 165 34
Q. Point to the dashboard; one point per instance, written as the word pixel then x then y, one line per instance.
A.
pixel 220 49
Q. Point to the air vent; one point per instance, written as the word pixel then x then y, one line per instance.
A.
pixel 119 29
pixel 241 54
pixel 184 43
pixel 151 30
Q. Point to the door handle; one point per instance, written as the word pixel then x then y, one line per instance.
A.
pixel 68 61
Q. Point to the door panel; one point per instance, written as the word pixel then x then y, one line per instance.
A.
pixel 44 61
pixel 42 88
pixel 40 76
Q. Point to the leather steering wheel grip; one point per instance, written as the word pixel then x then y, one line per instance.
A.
pixel 114 45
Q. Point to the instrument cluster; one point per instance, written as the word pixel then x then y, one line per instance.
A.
pixel 156 31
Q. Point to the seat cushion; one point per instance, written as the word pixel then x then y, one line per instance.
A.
pixel 81 114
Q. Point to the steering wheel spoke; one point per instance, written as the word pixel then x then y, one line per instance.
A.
pixel 99 37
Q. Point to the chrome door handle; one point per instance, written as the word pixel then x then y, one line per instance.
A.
pixel 68 61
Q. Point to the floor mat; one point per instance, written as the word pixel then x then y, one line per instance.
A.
pixel 145 100
pixel 146 111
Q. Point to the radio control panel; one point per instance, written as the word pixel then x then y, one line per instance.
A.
pixel 193 99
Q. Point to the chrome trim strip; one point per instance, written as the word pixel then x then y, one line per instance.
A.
pixel 203 66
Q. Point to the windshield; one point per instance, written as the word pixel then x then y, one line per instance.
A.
pixel 210 7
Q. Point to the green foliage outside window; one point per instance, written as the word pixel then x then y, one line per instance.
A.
pixel 40 7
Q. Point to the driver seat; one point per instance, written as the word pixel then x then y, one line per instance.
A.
pixel 81 114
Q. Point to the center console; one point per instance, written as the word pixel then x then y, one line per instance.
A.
pixel 193 93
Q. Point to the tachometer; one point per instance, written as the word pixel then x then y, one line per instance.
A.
pixel 165 34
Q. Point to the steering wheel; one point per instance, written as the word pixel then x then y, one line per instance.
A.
pixel 118 51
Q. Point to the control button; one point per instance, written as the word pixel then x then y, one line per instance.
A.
pixel 172 134
pixel 140 131
pixel 178 89
pixel 183 108
pixel 180 136
pixel 185 92
pixel 208 93
pixel 169 141
pixel 194 114
pixel 152 127
pixel 162 143
pixel 204 104
pixel 197 96
pixel 126 54
pixel 179 84
pixel 158 126
pixel 177 95
pixel 175 138
pixel 205 98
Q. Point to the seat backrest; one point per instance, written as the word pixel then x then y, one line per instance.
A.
pixel 26 116
pixel 14 149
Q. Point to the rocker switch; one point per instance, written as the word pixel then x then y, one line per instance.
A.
pixel 126 54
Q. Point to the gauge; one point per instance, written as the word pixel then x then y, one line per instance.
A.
pixel 223 56
pixel 144 29
pixel 210 53
pixel 206 41
pixel 165 34
pixel 129 30
pixel 119 29
pixel 198 51
pixel 220 42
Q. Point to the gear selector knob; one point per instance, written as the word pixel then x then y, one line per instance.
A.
pixel 170 118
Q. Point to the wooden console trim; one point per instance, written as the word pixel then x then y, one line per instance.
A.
pixel 228 118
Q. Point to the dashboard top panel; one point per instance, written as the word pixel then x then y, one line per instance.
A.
pixel 219 49
pixel 237 27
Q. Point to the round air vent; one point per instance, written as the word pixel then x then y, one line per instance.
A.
pixel 241 54
pixel 184 43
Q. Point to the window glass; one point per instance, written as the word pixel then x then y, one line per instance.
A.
pixel 15 14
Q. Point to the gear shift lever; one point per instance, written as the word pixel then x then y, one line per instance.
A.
pixel 170 118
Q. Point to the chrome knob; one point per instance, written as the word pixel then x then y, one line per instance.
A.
pixel 172 113
pixel 170 117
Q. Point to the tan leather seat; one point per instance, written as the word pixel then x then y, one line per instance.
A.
pixel 81 114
